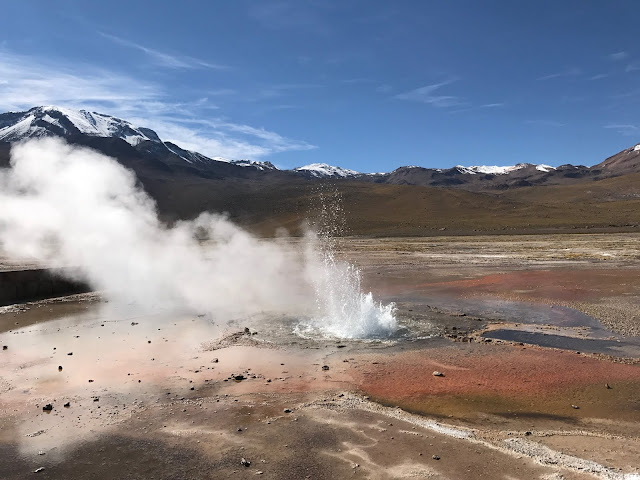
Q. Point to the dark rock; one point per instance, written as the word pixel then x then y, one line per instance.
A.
pixel 4 347
pixel 239 378
pixel 247 331
pixel 70 353
pixel 287 410
pixel 67 405
pixel 245 463
pixel 59 368
pixel 325 367
pixel 436 457
pixel 47 408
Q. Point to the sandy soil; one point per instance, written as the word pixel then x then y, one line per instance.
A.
pixel 156 395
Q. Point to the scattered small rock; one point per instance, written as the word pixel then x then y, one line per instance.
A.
pixel 575 406
pixel 239 377
pixel 4 347
pixel 90 381
pixel 527 433
pixel 287 410
pixel 38 470
pixel 215 360
pixel 134 323
pixel 245 463
pixel 607 386
pixel 325 367
pixel 70 353
pixel 437 374
pixel 47 408
pixel 59 368
pixel 67 405
pixel 436 457
pixel 247 332
pixel 96 399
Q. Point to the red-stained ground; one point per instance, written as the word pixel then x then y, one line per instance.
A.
pixel 480 378
pixel 559 285
pixel 501 370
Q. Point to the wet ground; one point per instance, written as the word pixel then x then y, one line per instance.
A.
pixel 535 338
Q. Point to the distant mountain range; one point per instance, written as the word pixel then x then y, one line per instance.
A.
pixel 410 200
pixel 71 124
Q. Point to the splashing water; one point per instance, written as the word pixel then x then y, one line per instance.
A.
pixel 343 309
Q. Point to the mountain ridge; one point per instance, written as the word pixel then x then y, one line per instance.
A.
pixel 61 121
pixel 408 201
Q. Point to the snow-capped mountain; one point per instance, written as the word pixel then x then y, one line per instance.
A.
pixel 49 120
pixel 323 170
pixel 65 122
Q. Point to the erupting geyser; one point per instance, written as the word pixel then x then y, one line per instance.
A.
pixel 343 309
pixel 68 206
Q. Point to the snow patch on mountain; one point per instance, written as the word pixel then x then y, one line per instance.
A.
pixel 489 169
pixel 319 170
pixel 636 148
pixel 255 164
pixel 544 168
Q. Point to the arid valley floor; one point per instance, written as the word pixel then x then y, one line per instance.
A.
pixel 537 339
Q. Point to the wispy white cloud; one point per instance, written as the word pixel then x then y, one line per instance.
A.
pixel 165 59
pixel 570 72
pixel 358 81
pixel 291 14
pixel 384 88
pixel 28 82
pixel 283 89
pixel 618 56
pixel 633 66
pixel 493 105
pixel 600 76
pixel 545 123
pixel 220 92
pixel 624 129
pixel 427 94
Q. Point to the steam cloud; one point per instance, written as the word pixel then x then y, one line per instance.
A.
pixel 70 206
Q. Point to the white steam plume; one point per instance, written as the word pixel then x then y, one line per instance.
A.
pixel 70 206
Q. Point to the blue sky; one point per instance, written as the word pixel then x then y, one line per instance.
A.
pixel 364 84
